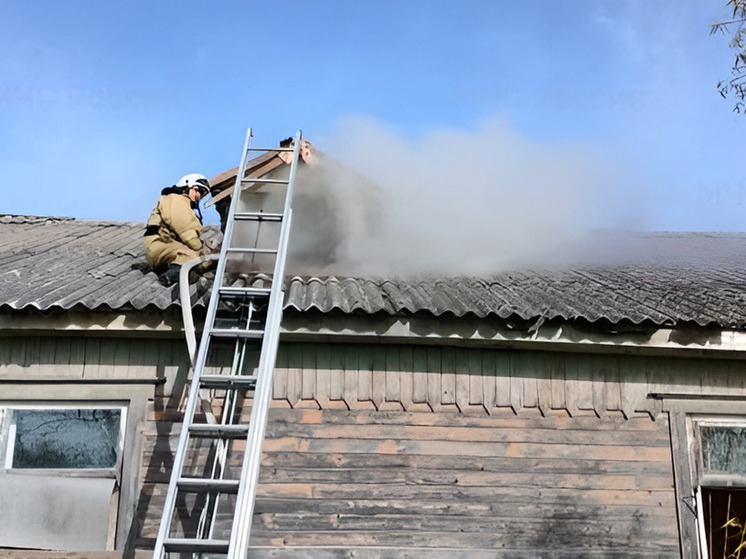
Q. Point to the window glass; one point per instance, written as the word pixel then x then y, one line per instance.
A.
pixel 723 449
pixel 66 438
pixel 724 512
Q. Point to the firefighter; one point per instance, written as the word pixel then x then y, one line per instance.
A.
pixel 172 235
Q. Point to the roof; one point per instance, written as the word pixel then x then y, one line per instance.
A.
pixel 49 263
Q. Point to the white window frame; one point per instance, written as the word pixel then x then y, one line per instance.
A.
pixel 8 440
pixel 702 480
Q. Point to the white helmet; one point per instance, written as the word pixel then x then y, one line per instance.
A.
pixel 195 180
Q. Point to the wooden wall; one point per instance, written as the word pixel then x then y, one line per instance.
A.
pixel 394 450
pixel 527 485
pixel 410 377
pixel 385 450
pixel 69 357
pixel 49 369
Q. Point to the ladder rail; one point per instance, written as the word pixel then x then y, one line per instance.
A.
pixel 241 529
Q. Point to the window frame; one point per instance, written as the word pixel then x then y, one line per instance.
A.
pixel 8 437
pixel 683 409
pixel 700 479
pixel 714 480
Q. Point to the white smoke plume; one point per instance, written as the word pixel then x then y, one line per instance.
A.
pixel 449 203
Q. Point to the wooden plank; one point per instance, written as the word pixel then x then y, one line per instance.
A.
pixel 173 363
pixel 592 529
pixel 585 382
pixel 7 365
pixel 47 367
pixel 61 355
pixel 496 449
pixel 489 364
pixel 323 371
pixel 393 378
pixel 406 366
pixel 295 371
pixel 613 388
pixel 379 376
pixel 558 379
pixel 308 374
pixel 463 384
pixel 507 495
pixel 280 378
pixel 337 373
pixel 682 468
pixel 634 387
pixel 420 375
pixel 415 552
pixel 448 376
pixel 351 368
pixel 502 378
pixel 502 420
pixel 476 393
pixel 538 466
pixel 434 368
pixel 666 376
pixel 482 509
pixel 150 358
pixel 736 377
pixel 122 358
pixel 544 382
pixel 528 364
pixel 598 365
pixel 136 359
pixel 365 374
pixel 31 354
pixel 460 478
pixel 469 434
pixel 516 384
pixel 572 384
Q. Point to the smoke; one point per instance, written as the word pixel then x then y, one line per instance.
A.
pixel 450 203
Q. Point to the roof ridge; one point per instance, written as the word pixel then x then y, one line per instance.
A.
pixel 18 218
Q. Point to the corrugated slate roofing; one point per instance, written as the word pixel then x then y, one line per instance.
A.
pixel 49 263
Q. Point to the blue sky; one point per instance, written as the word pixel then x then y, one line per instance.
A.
pixel 103 102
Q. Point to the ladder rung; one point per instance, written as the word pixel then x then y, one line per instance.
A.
pixel 216 431
pixel 203 485
pixel 250 291
pixel 264 181
pixel 236 333
pixel 271 149
pixel 254 250
pixel 195 546
pixel 258 216
pixel 245 382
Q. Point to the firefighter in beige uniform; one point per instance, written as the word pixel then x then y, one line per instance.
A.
pixel 172 236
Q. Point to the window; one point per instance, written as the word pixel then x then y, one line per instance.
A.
pixel 59 480
pixel 62 438
pixel 721 480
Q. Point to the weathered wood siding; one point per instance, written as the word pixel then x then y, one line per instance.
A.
pixel 61 358
pixel 408 377
pixel 378 450
pixel 526 486
pixel 385 449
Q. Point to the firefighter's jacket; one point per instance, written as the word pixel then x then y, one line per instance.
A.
pixel 172 233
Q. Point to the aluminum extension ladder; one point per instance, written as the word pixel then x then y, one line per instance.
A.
pixel 238 349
